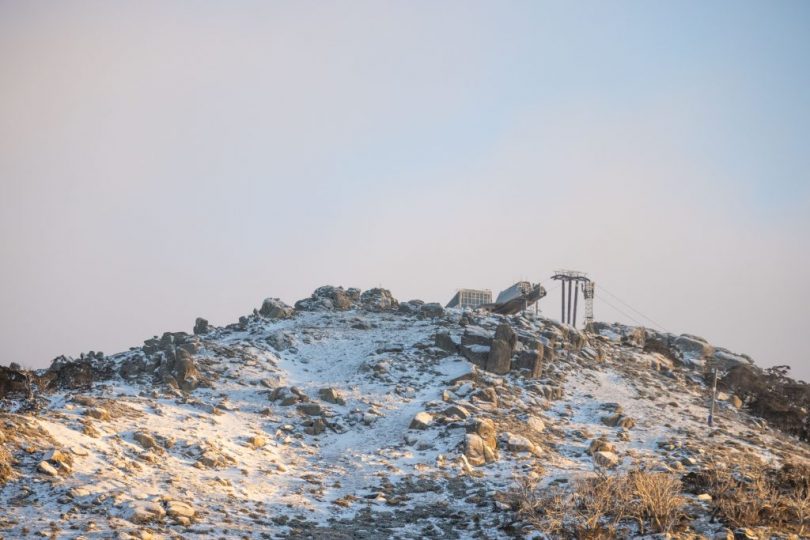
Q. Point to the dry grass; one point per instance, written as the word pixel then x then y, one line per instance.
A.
pixel 751 495
pixel 602 506
pixel 659 499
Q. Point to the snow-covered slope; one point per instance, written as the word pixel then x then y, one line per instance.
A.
pixel 354 419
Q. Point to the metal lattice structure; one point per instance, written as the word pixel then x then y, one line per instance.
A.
pixel 574 279
pixel 588 290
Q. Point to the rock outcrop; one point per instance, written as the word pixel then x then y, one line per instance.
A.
pixel 273 308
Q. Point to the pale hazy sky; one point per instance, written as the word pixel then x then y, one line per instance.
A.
pixel 166 160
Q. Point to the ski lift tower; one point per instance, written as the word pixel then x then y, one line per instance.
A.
pixel 573 279
pixel 588 294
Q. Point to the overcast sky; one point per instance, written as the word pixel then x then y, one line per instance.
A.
pixel 161 161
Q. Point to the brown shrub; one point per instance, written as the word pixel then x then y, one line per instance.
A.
pixel 751 495
pixel 601 506
pixel 659 499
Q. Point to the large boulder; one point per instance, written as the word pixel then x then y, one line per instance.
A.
pixel 332 395
pixel 328 298
pixel 432 310
pixel 378 299
pixel 477 354
pixel 692 349
pixel 504 332
pixel 77 374
pixel 530 359
pixel 484 428
pixel 185 371
pixel 475 335
pixel 273 308
pixel 606 459
pixel 518 443
pixel 445 342
pixel 634 337
pixel 481 442
pixel 726 360
pixel 14 383
pixel 422 420
pixel 499 360
pixel 201 326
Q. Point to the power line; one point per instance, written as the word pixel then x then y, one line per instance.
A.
pixel 602 298
pixel 656 323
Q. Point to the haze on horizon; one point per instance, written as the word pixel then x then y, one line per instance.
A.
pixel 160 162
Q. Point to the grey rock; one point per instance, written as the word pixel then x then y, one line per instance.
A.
pixel 201 326
pixel 499 360
pixel 273 308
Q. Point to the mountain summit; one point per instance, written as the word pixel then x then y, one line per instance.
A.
pixel 354 415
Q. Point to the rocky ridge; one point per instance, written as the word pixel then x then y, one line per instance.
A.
pixel 354 415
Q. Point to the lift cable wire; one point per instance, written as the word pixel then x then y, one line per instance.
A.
pixel 601 287
pixel 603 299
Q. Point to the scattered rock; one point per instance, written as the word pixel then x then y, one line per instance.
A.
pixel 446 343
pixel 422 420
pixel 177 509
pixel 311 409
pixel 46 468
pixel 144 511
pixel 606 459
pixel 332 395
pixel 601 445
pixel 256 441
pixel 99 413
pixel 145 440
pixel 518 443
pixel 456 411
pixel 481 443
pixel 535 424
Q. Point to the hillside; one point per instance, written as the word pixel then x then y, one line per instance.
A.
pixel 357 416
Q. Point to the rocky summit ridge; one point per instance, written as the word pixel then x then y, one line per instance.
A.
pixel 354 415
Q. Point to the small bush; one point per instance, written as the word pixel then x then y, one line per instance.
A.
pixel 752 495
pixel 602 506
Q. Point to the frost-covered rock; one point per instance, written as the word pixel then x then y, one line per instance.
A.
pixel 432 310
pixel 517 443
pixel 328 298
pixel 274 308
pixel 606 459
pixel 422 420
pixel 692 349
pixel 481 442
pixel 47 468
pixel 201 326
pixel 536 424
pixel 146 440
pixel 144 511
pixel 179 509
pixel 445 342
pixel 499 359
pixel 378 300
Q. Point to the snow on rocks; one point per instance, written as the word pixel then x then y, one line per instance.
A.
pixel 355 416
pixel 274 308
pixel 422 420
pixel 143 511
pixel 606 459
